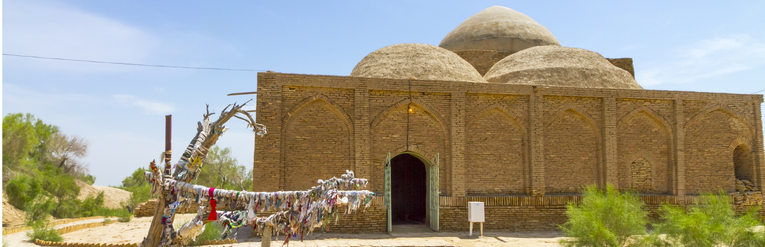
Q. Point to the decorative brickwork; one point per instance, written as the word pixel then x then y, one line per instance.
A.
pixel 515 143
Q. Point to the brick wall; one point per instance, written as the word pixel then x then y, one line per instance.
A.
pixel 373 219
pixel 317 139
pixel 495 148
pixel 708 154
pixel 483 60
pixel 506 218
pixel 572 153
pixel 643 137
pixel 500 139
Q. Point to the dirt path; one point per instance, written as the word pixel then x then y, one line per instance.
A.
pixel 134 231
pixel 21 239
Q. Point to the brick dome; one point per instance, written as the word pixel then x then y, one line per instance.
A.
pixel 418 61
pixel 498 28
pixel 560 66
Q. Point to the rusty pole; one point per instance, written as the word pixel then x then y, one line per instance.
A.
pixel 168 146
pixel 154 237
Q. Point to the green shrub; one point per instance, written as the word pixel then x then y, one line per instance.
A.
pixel 138 186
pixel 107 221
pixel 89 179
pixel 22 190
pixel 91 205
pixel 213 231
pixel 604 218
pixel 711 221
pixel 140 194
pixel 124 216
pixel 42 230
pixel 39 211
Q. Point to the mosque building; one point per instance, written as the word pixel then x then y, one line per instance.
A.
pixel 501 113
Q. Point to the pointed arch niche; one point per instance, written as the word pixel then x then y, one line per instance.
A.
pixel 572 153
pixel 710 165
pixel 317 138
pixel 495 146
pixel 643 150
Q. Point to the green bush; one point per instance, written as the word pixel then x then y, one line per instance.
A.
pixel 91 205
pixel 711 221
pixel 23 189
pixel 138 186
pixel 124 216
pixel 140 194
pixel 39 211
pixel 89 179
pixel 213 231
pixel 107 221
pixel 42 230
pixel 604 218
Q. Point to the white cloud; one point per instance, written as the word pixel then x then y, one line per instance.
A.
pixel 24 99
pixel 148 106
pixel 57 30
pixel 706 58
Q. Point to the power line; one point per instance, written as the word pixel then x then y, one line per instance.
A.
pixel 129 64
pixel 759 91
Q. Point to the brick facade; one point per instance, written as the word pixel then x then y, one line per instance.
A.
pixel 531 148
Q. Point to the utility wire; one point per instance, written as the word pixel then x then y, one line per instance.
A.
pixel 759 91
pixel 129 64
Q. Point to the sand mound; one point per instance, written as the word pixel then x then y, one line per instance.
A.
pixel 12 216
pixel 113 197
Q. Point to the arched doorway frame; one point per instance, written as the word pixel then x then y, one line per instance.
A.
pixel 432 168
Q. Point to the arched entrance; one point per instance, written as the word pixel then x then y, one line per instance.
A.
pixel 414 180
pixel 408 190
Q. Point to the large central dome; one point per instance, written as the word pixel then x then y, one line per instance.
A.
pixel 498 28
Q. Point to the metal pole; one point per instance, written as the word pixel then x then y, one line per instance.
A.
pixel 168 141
pixel 154 237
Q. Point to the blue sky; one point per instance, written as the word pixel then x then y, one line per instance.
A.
pixel 676 45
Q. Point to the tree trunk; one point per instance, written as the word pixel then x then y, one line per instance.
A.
pixel 155 230
pixel 265 240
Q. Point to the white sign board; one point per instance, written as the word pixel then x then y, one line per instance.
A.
pixel 475 212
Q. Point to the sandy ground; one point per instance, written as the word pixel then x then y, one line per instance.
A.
pixel 135 230
pixel 12 216
pixel 21 240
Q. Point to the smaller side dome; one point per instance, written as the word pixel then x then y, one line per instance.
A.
pixel 560 66
pixel 500 29
pixel 420 61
